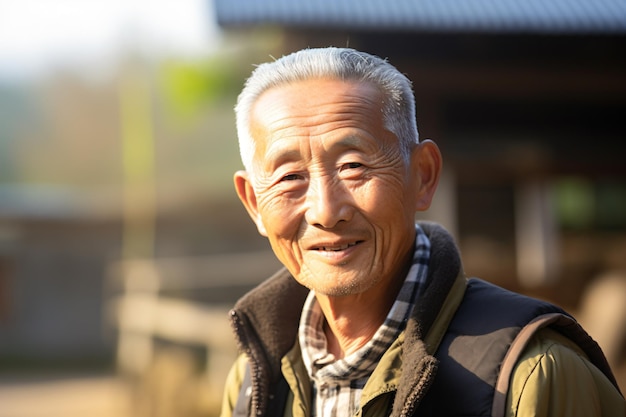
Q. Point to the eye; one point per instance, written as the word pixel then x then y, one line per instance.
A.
pixel 351 165
pixel 291 177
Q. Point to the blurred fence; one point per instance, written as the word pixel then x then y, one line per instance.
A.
pixel 174 342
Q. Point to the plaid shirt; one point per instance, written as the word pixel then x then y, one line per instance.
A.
pixel 337 384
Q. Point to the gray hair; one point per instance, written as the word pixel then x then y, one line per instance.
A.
pixel 338 63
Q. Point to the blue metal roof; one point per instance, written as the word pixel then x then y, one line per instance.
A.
pixel 498 16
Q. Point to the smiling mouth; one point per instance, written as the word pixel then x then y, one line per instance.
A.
pixel 337 248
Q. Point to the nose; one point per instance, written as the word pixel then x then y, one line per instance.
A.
pixel 328 203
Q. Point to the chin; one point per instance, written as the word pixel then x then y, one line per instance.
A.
pixel 343 289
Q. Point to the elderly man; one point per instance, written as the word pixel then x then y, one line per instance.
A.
pixel 372 315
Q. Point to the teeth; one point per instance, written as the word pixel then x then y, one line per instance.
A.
pixel 337 249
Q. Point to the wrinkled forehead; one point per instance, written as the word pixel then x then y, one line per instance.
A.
pixel 316 96
pixel 298 121
pixel 313 105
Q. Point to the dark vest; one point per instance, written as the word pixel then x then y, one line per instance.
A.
pixel 484 340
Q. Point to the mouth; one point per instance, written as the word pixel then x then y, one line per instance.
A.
pixel 336 248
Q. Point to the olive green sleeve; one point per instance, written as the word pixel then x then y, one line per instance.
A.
pixel 233 386
pixel 554 378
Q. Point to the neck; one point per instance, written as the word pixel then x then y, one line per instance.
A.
pixel 352 321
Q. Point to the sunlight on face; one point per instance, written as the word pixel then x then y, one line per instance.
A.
pixel 333 193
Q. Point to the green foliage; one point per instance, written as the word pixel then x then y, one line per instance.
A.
pixel 574 202
pixel 188 87
pixel 583 204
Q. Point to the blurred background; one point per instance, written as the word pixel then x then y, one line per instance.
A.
pixel 123 245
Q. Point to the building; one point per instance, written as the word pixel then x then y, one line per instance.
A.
pixel 525 100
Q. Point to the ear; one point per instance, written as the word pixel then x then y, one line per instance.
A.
pixel 245 191
pixel 427 163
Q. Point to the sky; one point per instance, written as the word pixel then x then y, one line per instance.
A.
pixel 39 35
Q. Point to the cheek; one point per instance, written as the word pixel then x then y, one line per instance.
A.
pixel 387 193
pixel 390 182
pixel 279 215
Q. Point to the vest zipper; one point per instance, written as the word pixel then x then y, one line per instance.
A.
pixel 258 404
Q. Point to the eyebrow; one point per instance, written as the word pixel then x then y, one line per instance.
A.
pixel 358 142
pixel 351 141
pixel 278 155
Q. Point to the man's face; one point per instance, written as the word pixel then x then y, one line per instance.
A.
pixel 331 189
